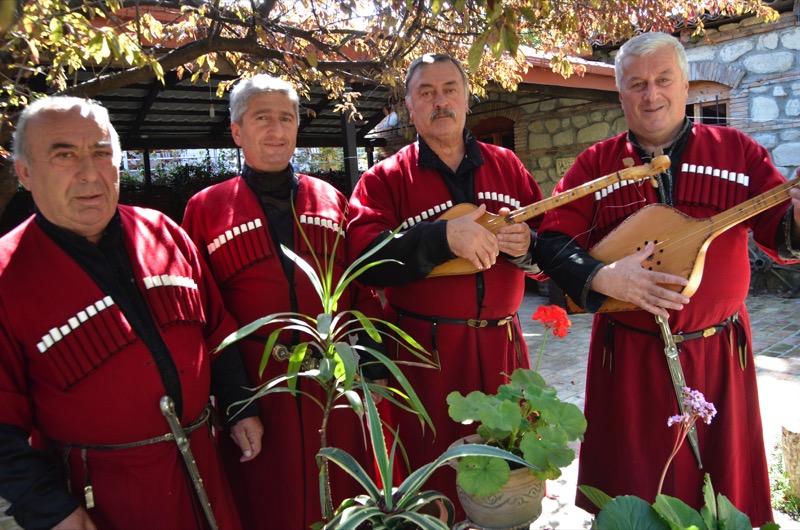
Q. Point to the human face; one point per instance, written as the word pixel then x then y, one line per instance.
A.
pixel 437 103
pixel 653 94
pixel 268 133
pixel 71 171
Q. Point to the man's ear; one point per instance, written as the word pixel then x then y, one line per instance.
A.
pixel 236 133
pixel 23 173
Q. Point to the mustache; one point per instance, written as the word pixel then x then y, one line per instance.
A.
pixel 442 112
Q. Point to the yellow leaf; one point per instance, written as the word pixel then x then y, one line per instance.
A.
pixel 56 30
pixel 312 59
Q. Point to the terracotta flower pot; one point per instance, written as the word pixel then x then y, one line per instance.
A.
pixel 517 506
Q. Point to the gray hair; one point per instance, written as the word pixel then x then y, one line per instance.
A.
pixel 246 89
pixel 647 43
pixel 87 108
pixel 431 58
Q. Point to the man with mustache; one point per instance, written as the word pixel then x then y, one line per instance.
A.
pixel 629 393
pixel 104 310
pixel 468 322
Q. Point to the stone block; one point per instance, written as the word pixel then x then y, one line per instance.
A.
pixel 594 133
pixel 552 125
pixel 700 53
pixel 791 39
pixel 580 121
pixel 768 41
pixel 763 109
pixel 787 154
pixel 539 141
pixel 769 63
pixel 733 51
pixel 793 107
pixel 564 138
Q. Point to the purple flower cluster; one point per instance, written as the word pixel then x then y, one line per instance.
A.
pixel 695 407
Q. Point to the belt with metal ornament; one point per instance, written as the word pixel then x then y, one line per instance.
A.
pixel 683 336
pixel 168 437
pixel 471 322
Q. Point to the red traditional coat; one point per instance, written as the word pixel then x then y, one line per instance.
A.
pixel 397 192
pixel 74 370
pixel 629 395
pixel 280 488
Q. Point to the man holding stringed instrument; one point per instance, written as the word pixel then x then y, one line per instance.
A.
pixel 649 244
pixel 468 321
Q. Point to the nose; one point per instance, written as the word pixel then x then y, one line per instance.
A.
pixel 439 100
pixel 651 92
pixel 273 127
pixel 88 169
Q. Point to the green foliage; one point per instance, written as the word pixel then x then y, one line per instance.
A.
pixel 393 507
pixel 325 356
pixel 173 183
pixel 524 417
pixel 783 499
pixel 628 512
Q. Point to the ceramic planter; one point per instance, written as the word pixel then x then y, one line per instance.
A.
pixel 517 506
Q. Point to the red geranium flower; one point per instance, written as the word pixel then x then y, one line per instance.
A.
pixel 553 317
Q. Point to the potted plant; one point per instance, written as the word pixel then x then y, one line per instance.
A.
pixel 628 512
pixel 525 417
pixel 327 356
pixel 405 506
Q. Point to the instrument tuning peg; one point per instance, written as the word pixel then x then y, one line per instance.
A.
pixel 627 162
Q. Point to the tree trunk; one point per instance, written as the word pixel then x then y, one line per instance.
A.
pixel 790 442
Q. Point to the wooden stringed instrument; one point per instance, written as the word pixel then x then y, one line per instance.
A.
pixel 680 241
pixel 494 222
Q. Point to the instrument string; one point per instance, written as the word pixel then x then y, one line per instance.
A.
pixel 730 217
pixel 527 212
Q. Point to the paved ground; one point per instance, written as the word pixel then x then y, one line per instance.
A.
pixel 776 341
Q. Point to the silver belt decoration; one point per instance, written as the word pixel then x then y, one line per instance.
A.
pixel 678 380
pixel 168 410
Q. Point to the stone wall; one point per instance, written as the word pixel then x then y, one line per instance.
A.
pixel 765 102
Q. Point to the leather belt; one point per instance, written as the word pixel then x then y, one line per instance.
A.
pixel 471 322
pixel 683 336
pixel 196 424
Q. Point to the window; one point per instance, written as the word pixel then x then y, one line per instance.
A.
pixel 497 131
pixel 708 103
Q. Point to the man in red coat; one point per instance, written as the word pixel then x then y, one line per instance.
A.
pixel 240 225
pixel 105 309
pixel 469 321
pixel 629 393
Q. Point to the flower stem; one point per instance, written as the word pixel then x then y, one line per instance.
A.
pixel 678 442
pixel 541 350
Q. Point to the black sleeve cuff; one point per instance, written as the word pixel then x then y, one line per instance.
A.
pixel 32 481
pixel 230 385
pixel 570 266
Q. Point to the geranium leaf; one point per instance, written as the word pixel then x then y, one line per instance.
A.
pixel 482 475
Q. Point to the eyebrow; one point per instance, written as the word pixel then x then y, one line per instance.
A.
pixel 429 85
pixel 64 145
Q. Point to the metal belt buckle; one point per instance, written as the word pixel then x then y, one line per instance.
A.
pixel 473 323
pixel 708 332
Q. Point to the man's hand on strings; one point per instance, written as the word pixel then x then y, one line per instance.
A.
pixel 514 239
pixel 629 281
